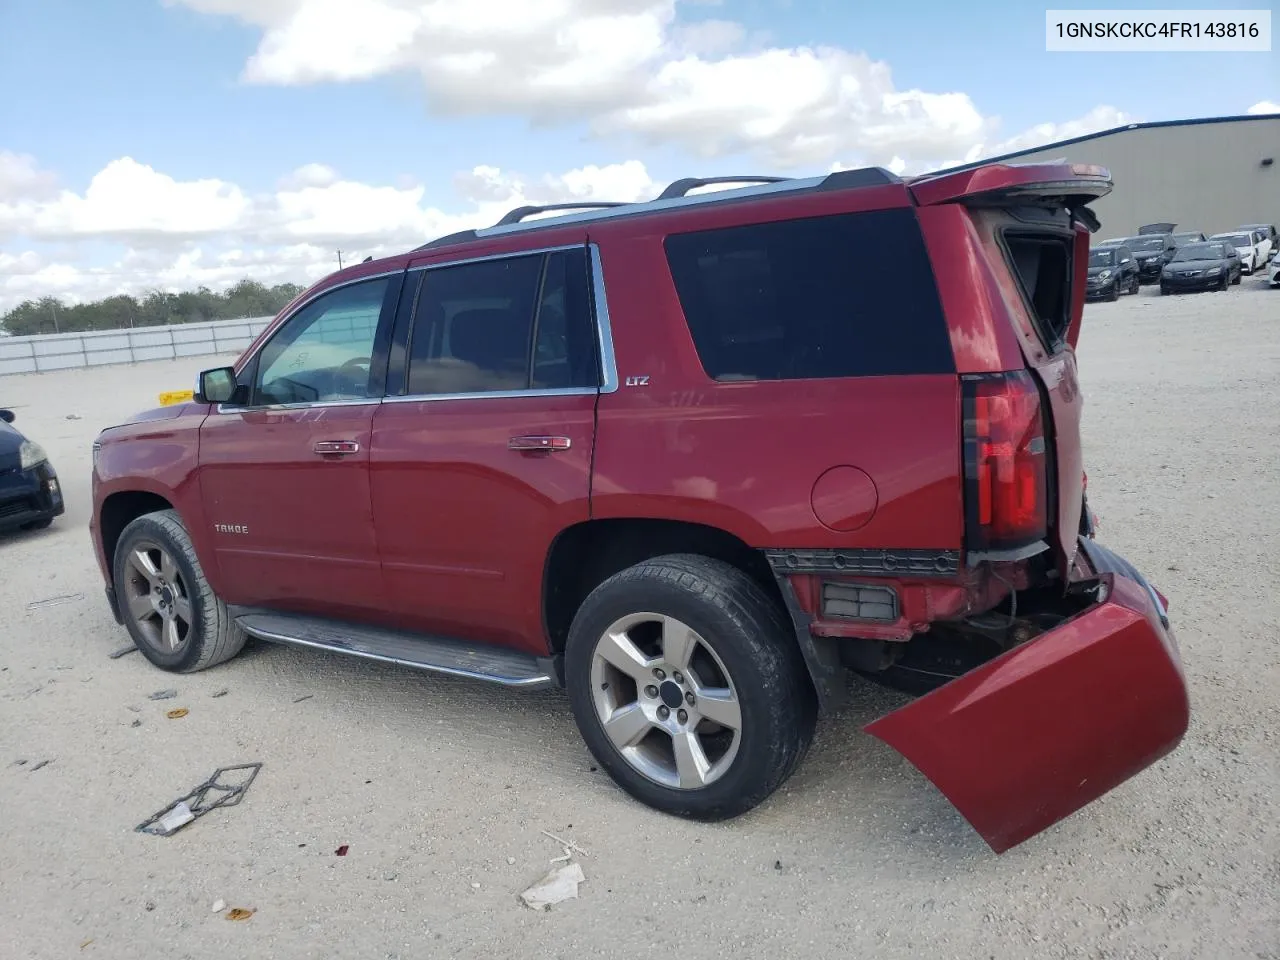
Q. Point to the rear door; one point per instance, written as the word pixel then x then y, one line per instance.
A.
pixel 482 451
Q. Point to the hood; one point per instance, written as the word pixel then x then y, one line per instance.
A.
pixel 1094 271
pixel 10 441
pixel 1196 264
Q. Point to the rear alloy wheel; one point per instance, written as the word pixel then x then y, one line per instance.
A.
pixel 687 687
pixel 169 609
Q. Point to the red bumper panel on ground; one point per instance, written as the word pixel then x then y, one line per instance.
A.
pixel 1049 727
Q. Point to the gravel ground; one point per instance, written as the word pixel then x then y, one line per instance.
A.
pixel 441 787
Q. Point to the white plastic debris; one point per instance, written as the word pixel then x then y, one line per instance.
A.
pixel 178 816
pixel 559 885
pixel 219 906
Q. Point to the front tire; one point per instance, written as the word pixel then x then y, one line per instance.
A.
pixel 688 687
pixel 169 609
pixel 1114 295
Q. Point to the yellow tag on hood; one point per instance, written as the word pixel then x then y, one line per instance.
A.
pixel 175 396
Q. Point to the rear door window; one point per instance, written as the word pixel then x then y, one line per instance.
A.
pixel 849 295
pixel 511 324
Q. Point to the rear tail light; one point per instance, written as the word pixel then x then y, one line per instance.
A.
pixel 1005 462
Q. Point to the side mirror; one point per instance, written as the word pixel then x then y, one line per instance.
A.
pixel 216 386
pixel 7 416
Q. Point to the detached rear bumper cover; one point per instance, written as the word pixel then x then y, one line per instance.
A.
pixel 1034 735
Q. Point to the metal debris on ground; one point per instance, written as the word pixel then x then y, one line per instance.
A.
pixel 41 765
pixel 559 885
pixel 163 695
pixel 177 714
pixel 305 697
pixel 54 601
pixel 123 651
pixel 208 796
pixel 220 693
pixel 341 851
pixel 569 847
pixel 136 723
pixel 239 913
pixel 86 943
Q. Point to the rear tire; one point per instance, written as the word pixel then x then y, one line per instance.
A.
pixel 169 609
pixel 655 646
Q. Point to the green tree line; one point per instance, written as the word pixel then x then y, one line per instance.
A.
pixel 247 298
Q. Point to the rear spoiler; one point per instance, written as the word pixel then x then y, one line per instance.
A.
pixel 1071 185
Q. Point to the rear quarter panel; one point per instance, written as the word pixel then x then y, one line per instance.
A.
pixel 745 457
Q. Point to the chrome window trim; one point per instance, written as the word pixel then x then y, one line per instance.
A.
pixel 494 395
pixel 604 326
pixel 601 319
pixel 509 255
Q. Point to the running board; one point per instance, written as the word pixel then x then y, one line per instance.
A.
pixel 437 654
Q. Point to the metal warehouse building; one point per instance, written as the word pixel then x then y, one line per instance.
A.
pixel 1212 175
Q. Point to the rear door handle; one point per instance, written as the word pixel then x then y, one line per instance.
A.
pixel 539 444
pixel 341 448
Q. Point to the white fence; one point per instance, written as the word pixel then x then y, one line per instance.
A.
pixel 60 351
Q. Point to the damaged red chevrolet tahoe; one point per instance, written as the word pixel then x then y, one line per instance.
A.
pixel 695 460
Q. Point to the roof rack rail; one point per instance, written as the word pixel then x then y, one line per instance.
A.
pixel 462 236
pixel 681 187
pixel 519 213
pixel 863 177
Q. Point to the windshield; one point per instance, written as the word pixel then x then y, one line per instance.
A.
pixel 1147 244
pixel 1186 236
pixel 1101 258
pixel 1238 240
pixel 1201 251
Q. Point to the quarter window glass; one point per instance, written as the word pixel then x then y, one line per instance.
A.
pixel 850 295
pixel 324 351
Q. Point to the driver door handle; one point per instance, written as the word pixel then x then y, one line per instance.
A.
pixel 341 448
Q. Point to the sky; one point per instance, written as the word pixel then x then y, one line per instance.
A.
pixel 170 144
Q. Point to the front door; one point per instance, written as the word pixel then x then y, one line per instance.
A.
pixel 485 456
pixel 285 478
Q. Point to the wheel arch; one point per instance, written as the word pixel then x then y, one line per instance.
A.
pixel 586 554
pixel 120 509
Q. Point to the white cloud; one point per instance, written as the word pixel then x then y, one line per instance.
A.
pixel 1264 107
pixel 20 176
pixel 1096 120
pixel 620 66
pixel 177 235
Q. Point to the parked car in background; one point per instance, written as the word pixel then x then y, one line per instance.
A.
pixel 1199 266
pixel 1247 246
pixel 618 451
pixel 1233 257
pixel 1193 237
pixel 30 497
pixel 1273 272
pixel 1112 271
pixel 1152 252
pixel 1269 234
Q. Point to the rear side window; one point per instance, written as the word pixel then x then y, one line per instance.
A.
pixel 849 295
pixel 1042 266
pixel 516 323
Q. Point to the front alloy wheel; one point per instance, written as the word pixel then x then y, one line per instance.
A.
pixel 156 597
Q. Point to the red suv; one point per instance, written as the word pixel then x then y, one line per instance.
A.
pixel 694 460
